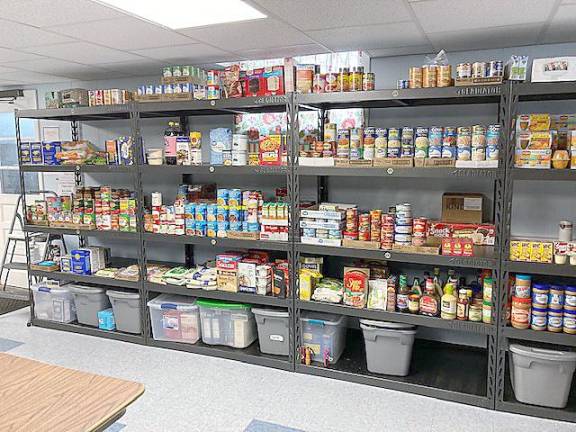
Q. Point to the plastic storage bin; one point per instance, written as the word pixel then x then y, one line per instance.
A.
pixel 225 323
pixel 324 334
pixel 89 301
pixel 53 303
pixel 175 318
pixel 540 376
pixel 126 307
pixel 388 346
pixel 273 330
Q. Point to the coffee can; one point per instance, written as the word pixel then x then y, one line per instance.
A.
pixel 444 78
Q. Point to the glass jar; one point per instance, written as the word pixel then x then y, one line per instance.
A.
pixel 344 79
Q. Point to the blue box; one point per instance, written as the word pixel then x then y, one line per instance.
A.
pixel 36 153
pixel 25 156
pixel 49 150
pixel 106 320
pixel 80 262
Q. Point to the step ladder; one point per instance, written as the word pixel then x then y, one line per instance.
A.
pixel 16 236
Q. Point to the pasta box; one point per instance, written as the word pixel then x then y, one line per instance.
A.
pixel 270 150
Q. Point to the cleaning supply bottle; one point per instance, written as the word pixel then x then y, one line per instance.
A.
pixel 448 303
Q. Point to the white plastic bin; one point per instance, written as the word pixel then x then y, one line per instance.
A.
pixel 388 346
pixel 53 303
pixel 175 318
pixel 273 330
pixel 126 307
pixel 541 376
pixel 324 334
pixel 89 301
pixel 225 323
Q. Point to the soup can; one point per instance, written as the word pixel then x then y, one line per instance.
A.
pixel 479 69
pixel 435 136
pixel 478 136
pixel 464 71
pixel 449 137
pixel 492 152
pixel 421 142
pixel 478 153
pixel 464 138
pixel 368 81
pixel 464 153
pixel 493 135
pixel 415 77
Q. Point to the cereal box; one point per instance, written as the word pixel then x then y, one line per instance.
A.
pixel 270 150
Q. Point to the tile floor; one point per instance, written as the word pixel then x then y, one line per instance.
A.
pixel 193 393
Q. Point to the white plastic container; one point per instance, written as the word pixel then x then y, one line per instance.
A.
pixel 225 323
pixel 89 301
pixel 175 318
pixel 273 330
pixel 541 376
pixel 324 334
pixel 53 303
pixel 388 346
pixel 126 307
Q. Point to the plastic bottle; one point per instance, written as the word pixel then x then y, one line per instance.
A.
pixel 403 293
pixel 462 305
pixel 170 135
pixel 437 282
pixel 429 303
pixel 448 303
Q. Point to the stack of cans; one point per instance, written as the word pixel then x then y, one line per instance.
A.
pixel 435 138
pixel 387 230
pixel 403 225
pixel 351 232
pixel 478 143
pixel 419 231
pixel 449 139
pixel 375 225
pixel 364 227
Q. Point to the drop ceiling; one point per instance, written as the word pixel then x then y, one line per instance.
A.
pixel 48 41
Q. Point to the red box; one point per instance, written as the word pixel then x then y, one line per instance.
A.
pixel 480 234
pixel 254 83
pixel 273 80
pixel 457 247
pixel 270 150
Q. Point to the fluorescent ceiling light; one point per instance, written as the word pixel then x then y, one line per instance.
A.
pixel 179 14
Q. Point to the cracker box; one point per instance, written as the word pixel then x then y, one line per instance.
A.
pixel 112 152
pixel 25 156
pixel 270 150
pixel 481 234
pixel 50 151
pixel 36 153
pixel 280 281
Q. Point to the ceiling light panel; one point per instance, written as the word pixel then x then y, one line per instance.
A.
pixel 177 14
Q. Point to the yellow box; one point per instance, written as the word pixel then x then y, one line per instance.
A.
pixel 308 281
pixel 524 251
pixel 547 252
pixel 515 250
pixel 535 251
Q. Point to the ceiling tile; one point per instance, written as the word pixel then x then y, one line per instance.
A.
pixel 496 37
pixel 45 13
pixel 452 15
pixel 193 54
pixel 65 69
pixel 7 68
pixel 83 52
pixel 8 55
pixel 288 51
pixel 409 50
pixel 561 27
pixel 247 35
pixel 143 67
pixel 26 77
pixel 124 33
pixel 15 35
pixel 370 37
pixel 323 14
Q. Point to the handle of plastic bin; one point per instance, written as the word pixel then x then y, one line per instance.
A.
pixel 168 306
pixel 44 289
pixel 316 322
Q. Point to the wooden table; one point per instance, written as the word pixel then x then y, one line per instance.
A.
pixel 37 397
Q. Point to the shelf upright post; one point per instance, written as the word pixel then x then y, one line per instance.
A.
pixel 508 112
pixel 78 178
pixel 23 202
pixel 293 186
pixel 139 192
pixel 187 179
pixel 322 181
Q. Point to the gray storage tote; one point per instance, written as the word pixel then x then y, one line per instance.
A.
pixel 273 330
pixel 89 301
pixel 126 307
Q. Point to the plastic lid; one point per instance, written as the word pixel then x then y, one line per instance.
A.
pixel 275 313
pixel 55 290
pixel 543 354
pixel 171 301
pixel 123 294
pixel 387 325
pixel 571 312
pixel 523 277
pixel 219 304
pixel 77 289
pixel 323 318
pixel 541 286
pixel 570 288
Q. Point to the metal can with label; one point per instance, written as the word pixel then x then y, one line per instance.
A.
pixel 421 143
pixel 492 152
pixel 479 70
pixel 478 136
pixel 464 71
pixel 429 76
pixel 478 153
pixel 495 69
pixel 493 135
pixel 356 137
pixel 444 78
pixel 381 143
pixel 464 153
pixel 435 136
pixel 368 81
pixel 407 142
pixel 464 138
pixel 394 144
pixel 402 84
pixel 343 143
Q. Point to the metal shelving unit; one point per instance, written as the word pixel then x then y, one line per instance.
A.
pixel 90 331
pixel 481 377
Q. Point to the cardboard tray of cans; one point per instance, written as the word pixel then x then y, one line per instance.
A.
pixel 176 97
pixel 149 98
pixel 241 235
pixel 462 82
pixel 426 250
pixel 394 162
pixel 434 162
pixel 345 163
pixel 181 79
pixel 360 244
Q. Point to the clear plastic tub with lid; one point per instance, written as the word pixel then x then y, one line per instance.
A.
pixel 225 323
pixel 53 303
pixel 324 334
pixel 175 318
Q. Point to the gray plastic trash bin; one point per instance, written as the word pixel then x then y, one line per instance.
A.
pixel 540 376
pixel 273 325
pixel 126 307
pixel 388 346
pixel 89 301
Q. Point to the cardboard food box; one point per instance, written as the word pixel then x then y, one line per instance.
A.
pixel 270 150
pixel 462 207
pixel 253 83
pixel 273 80
pixel 457 247
pixel 538 159
pixel 73 98
pixel 554 69
pixel 356 286
pixel 480 234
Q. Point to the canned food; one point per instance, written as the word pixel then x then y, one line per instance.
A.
pixel 435 136
pixel 356 78
pixel 319 83
pixel 403 229
pixel 495 69
pixel 464 71
pixel 350 235
pixel 331 82
pixel 464 153
pixel 402 84
pixel 449 137
pixel 403 238
pixel 478 136
pixel 421 142
pixel 394 144
pixel 344 80
pixel 404 220
pixel 387 218
pixel 429 76
pixel 464 138
pixel 479 69
pixel 493 135
pixel 368 81
pixel 415 77
pixel 492 152
pixel 334 234
pixel 478 153
pixel 444 78
pixel 449 152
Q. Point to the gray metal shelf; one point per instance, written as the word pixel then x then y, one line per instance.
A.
pixel 79 168
pixel 90 331
pixel 250 355
pixel 214 169
pixel 419 320
pixel 540 336
pixel 239 297
pixel 71 277
pixel 545 91
pixel 471 173
pixel 528 174
pixel 218 242
pixel 119 235
pixel 540 268
pixel 103 112
pixel 486 260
